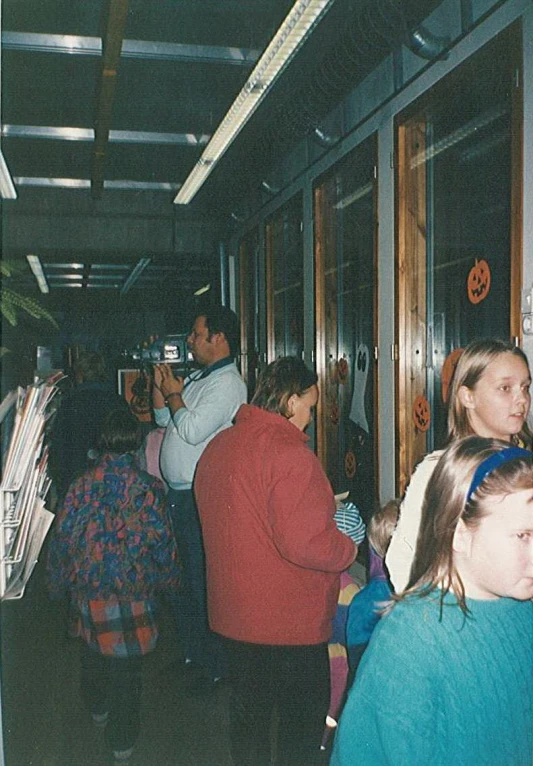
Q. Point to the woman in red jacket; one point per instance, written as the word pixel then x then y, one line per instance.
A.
pixel 274 556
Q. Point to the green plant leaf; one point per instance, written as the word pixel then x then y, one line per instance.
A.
pixel 8 268
pixel 11 302
pixel 8 311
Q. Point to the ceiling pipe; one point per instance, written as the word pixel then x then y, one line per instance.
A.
pixel 375 29
pixel 425 44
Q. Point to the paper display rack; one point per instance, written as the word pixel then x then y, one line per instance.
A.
pixel 24 520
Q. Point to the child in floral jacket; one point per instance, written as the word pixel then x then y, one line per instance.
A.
pixel 112 549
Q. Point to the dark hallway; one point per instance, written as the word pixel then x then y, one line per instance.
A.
pixel 44 722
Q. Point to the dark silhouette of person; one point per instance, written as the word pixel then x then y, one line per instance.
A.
pixel 77 425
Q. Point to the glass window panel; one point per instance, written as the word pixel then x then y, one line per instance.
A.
pixel 249 309
pixel 345 284
pixel 285 297
pixel 455 180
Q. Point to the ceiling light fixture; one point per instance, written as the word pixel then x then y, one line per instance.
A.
pixel 202 290
pixel 7 187
pixel 38 273
pixel 297 26
pixel 135 274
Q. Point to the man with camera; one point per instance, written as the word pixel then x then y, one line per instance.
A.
pixel 193 410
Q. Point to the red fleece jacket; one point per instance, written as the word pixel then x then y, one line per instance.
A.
pixel 273 551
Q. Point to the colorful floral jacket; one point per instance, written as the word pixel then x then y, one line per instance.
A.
pixel 112 537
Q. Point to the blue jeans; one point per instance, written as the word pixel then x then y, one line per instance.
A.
pixel 202 646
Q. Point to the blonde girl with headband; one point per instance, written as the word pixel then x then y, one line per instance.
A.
pixel 490 397
pixel 448 675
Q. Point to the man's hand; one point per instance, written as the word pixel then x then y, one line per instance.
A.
pixel 164 378
pixel 167 388
pixel 157 376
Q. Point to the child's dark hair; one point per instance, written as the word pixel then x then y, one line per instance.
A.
pixel 120 433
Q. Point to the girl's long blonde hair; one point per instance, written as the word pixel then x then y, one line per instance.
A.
pixel 470 367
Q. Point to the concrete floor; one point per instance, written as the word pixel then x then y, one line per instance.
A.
pixel 44 723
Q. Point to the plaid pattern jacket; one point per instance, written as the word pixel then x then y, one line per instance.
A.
pixel 112 549
pixel 116 628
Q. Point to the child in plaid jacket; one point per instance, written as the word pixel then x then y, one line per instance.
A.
pixel 111 550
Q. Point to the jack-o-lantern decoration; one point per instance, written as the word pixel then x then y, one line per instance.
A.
pixel 478 283
pixel 350 464
pixel 421 413
pixel 342 370
pixel 335 413
pixel 447 372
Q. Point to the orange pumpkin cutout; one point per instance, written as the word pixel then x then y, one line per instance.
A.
pixel 140 402
pixel 421 413
pixel 342 370
pixel 478 283
pixel 350 464
pixel 137 394
pixel 448 369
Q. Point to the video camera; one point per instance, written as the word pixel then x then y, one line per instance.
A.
pixel 171 349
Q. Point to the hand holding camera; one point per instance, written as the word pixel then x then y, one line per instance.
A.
pixel 166 382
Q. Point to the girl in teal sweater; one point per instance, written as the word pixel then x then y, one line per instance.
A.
pixel 448 675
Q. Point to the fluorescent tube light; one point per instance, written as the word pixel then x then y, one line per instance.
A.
pixel 7 187
pixel 38 273
pixel 452 139
pixel 297 26
pixel 356 195
pixel 202 290
pixel 135 274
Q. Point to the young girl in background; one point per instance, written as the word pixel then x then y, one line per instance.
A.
pixel 489 396
pixel 448 675
pixel 366 607
pixel 112 549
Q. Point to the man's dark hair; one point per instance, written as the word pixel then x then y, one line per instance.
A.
pixel 223 319
pixel 120 433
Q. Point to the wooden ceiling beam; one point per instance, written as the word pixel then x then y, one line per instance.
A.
pixel 111 48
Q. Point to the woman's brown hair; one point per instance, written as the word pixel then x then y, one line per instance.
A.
pixel 283 378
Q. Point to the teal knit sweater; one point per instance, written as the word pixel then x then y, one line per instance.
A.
pixel 456 692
